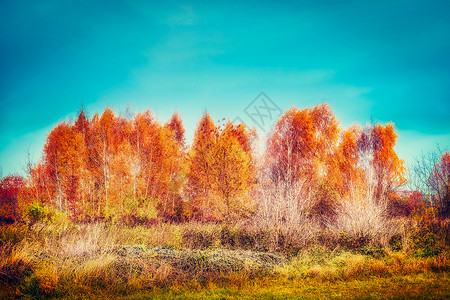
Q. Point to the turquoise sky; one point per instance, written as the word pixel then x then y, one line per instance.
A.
pixel 381 60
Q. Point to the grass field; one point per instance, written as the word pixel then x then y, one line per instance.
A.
pixel 418 286
pixel 204 261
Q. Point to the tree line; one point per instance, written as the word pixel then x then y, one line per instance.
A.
pixel 137 169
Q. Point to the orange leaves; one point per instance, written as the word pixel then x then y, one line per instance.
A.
pixel 389 169
pixel 445 164
pixel 64 148
pixel 10 188
pixel 100 166
pixel 176 125
pixel 344 169
pixel 232 170
pixel 348 146
pixel 64 152
pixel 326 129
pixel 220 169
pixel 384 154
pixel 302 142
pixel 200 164
pixel 96 164
pixel 309 145
pixel 82 123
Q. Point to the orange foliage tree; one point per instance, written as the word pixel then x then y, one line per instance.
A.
pixel 63 155
pixel 232 171
pixel 301 144
pixel 174 207
pixel 199 165
pixel 344 169
pixel 383 170
pixel 389 169
pixel 176 125
pixel 38 182
pixel 308 154
pixel 295 181
pixel 220 170
pixel 10 188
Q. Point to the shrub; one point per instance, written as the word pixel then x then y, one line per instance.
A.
pixel 425 243
pixel 362 220
pixel 429 235
pixel 396 242
pixel 12 271
pixel 373 251
pixel 201 236
pixel 36 213
pixel 403 206
pixel 13 234
pixel 132 211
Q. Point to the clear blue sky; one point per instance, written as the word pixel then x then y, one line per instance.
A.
pixel 386 60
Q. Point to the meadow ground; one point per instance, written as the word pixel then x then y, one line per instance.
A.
pixel 206 261
pixel 418 286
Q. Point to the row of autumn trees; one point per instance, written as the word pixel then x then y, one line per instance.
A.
pixel 136 168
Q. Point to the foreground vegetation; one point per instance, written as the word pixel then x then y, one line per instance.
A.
pixel 420 286
pixel 194 260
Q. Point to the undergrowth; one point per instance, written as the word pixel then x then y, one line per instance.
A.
pixel 95 260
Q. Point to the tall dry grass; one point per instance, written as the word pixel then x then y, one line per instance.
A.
pixel 284 211
pixel 363 219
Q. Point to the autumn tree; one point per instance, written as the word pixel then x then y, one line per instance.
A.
pixel 389 169
pixel 367 171
pixel 174 206
pixel 10 187
pixel 232 171
pixel 83 127
pixel 199 164
pixel 106 139
pixel 439 181
pixel 431 175
pixel 220 170
pixel 384 171
pixel 92 178
pixel 63 155
pixel 152 162
pixel 344 170
pixel 297 164
pixel 176 125
pixel 82 124
pixel 301 143
pixel 38 182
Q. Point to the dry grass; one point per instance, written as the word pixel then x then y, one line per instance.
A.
pixel 284 211
pixel 84 259
pixel 364 220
